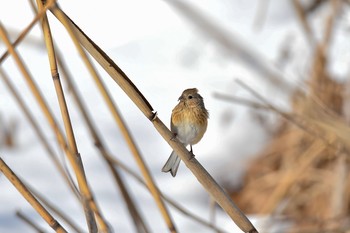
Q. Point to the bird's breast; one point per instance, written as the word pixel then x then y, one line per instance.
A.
pixel 189 126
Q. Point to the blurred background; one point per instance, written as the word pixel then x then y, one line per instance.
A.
pixel 274 76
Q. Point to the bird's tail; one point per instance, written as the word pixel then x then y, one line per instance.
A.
pixel 172 164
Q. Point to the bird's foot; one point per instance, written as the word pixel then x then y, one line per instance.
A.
pixel 192 155
pixel 174 137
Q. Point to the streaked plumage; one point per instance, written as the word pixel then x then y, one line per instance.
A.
pixel 189 121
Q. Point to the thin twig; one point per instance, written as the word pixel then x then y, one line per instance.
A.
pixel 54 209
pixel 242 101
pixel 24 33
pixel 25 219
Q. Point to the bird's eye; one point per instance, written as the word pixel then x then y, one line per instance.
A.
pixel 190 97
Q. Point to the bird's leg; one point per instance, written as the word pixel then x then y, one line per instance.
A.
pixel 191 152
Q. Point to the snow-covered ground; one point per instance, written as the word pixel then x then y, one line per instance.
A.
pixel 163 54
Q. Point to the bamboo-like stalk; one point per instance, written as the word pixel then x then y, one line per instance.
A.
pixel 76 164
pixel 120 122
pixel 37 129
pixel 139 223
pixel 25 219
pixel 82 183
pixel 11 176
pixel 136 96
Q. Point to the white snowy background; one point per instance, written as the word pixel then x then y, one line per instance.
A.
pixel 163 54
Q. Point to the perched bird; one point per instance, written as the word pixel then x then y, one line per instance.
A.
pixel 189 120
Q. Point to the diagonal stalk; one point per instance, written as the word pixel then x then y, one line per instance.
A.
pixel 140 225
pixel 217 193
pixel 185 212
pixel 40 14
pixel 50 206
pixel 11 176
pixel 10 86
pixel 128 138
pixel 76 163
pixel 25 219
pixel 68 127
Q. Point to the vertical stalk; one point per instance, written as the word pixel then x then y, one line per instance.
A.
pixel 127 136
pixel 36 128
pixel 85 191
pixel 140 225
pixel 43 105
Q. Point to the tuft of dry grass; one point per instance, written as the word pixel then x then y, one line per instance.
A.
pixel 303 172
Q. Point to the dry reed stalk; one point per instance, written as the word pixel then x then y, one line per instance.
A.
pixel 100 145
pixel 139 223
pixel 76 164
pixel 242 101
pixel 37 129
pixel 11 176
pixel 136 96
pixel 319 77
pixel 25 31
pixel 185 212
pixel 25 219
pixel 82 183
pixel 304 22
pixel 120 122
pixel 18 40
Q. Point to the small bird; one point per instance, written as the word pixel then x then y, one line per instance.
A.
pixel 189 121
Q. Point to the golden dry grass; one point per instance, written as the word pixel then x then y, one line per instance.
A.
pixel 303 173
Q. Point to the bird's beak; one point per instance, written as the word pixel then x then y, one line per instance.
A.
pixel 180 98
